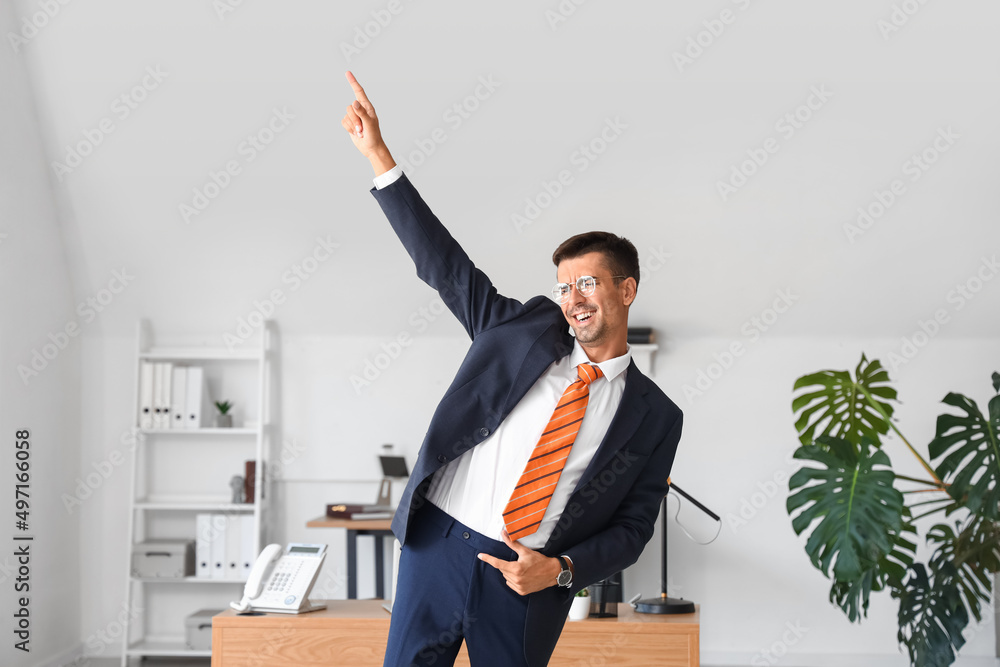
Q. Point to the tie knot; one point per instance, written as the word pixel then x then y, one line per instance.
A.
pixel 588 373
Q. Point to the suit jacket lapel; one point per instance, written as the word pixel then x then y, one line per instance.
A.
pixel 540 356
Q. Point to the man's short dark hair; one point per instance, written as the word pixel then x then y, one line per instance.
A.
pixel 620 255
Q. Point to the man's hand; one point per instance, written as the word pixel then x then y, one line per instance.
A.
pixel 531 571
pixel 361 123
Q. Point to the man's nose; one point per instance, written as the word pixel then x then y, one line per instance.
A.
pixel 574 296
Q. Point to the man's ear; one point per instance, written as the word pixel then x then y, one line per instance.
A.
pixel 628 289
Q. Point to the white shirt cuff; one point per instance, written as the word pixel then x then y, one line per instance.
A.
pixel 388 178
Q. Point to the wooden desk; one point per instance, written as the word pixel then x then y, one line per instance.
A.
pixel 353 633
pixel 377 529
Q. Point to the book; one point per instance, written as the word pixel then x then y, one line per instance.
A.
pixel 359 512
pixel 250 481
pixel 640 335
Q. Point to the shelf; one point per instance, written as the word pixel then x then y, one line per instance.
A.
pixel 186 580
pixel 193 505
pixel 165 648
pixel 178 474
pixel 201 354
pixel 199 431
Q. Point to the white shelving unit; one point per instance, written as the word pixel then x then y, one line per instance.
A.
pixel 157 510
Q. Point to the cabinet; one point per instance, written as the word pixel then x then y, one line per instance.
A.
pixel 179 473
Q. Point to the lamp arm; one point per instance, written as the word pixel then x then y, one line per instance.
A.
pixel 693 501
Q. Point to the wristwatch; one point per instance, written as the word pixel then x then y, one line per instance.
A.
pixel 565 577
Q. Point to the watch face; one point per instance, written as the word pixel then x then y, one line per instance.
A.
pixel 564 578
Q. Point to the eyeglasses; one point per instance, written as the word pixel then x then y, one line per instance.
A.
pixel 585 285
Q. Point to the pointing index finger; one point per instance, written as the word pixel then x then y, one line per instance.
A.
pixel 491 560
pixel 359 92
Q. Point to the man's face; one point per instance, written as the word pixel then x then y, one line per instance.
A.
pixel 602 316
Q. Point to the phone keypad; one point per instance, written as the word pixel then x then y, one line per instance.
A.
pixel 282 579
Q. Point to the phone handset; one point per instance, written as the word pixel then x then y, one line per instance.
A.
pixel 261 569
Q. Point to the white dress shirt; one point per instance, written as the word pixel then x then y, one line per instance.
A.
pixel 476 487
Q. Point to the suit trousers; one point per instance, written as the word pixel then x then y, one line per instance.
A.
pixel 445 595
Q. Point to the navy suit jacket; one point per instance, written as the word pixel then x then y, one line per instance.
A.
pixel 610 515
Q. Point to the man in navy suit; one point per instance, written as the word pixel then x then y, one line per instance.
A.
pixel 462 576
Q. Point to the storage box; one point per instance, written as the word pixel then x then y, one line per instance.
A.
pixel 171 559
pixel 198 629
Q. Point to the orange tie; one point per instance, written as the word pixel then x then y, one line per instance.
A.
pixel 537 483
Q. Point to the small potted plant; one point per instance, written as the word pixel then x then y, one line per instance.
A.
pixel 580 609
pixel 223 419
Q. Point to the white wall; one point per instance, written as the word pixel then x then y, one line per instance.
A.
pixel 40 395
pixel 711 264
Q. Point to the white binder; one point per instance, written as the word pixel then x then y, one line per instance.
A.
pixel 203 546
pixel 248 554
pixel 234 548
pixel 146 373
pixel 196 396
pixel 165 383
pixel 157 389
pixel 217 536
pixel 178 391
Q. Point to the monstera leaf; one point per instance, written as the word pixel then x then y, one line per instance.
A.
pixel 837 405
pixel 931 616
pixel 852 595
pixel 851 499
pixel 971 451
pixel 975 553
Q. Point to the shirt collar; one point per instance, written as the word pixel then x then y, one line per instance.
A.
pixel 611 368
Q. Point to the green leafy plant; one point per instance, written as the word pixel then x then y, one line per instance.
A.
pixel 859 514
pixel 223 407
pixel 583 593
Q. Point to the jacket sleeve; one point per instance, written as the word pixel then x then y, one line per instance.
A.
pixel 441 262
pixel 621 543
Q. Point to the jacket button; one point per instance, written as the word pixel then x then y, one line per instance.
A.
pixel 442 458
pixel 484 432
pixel 466 535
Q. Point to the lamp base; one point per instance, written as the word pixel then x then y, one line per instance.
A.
pixel 664 605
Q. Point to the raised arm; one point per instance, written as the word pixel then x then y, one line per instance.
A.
pixel 440 260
